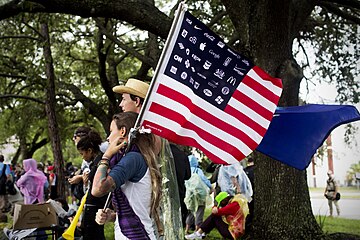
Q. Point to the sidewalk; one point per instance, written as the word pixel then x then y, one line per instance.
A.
pixel 345 193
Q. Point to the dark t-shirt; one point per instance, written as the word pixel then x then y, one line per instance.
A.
pixel 250 173
pixel 182 168
pixel 98 201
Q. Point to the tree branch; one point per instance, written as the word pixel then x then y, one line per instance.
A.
pixel 217 18
pixel 143 14
pixel 92 107
pixel 38 145
pixel 12 76
pixel 133 52
pixel 103 56
pixel 337 11
pixel 345 3
pixel 21 97
pixel 19 37
pixel 241 24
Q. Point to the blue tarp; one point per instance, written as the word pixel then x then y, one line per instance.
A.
pixel 295 133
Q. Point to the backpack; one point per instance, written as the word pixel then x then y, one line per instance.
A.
pixel 3 181
pixel 10 188
pixel 78 190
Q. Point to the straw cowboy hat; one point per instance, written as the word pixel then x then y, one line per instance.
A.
pixel 134 87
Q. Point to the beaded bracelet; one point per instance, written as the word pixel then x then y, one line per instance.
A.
pixel 103 162
pixel 105 158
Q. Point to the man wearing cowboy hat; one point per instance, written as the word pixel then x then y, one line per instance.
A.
pixel 133 95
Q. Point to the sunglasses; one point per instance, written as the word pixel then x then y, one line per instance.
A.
pixel 78 135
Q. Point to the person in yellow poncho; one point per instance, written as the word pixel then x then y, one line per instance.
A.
pixel 228 217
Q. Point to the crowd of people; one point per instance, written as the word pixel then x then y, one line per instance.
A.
pixel 126 168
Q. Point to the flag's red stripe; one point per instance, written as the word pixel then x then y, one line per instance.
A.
pixel 272 97
pixel 210 138
pixel 276 81
pixel 252 104
pixel 245 119
pixel 206 116
pixel 173 137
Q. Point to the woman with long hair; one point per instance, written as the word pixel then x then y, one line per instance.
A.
pixel 134 178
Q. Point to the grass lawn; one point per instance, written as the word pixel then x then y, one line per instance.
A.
pixel 329 225
pixel 335 224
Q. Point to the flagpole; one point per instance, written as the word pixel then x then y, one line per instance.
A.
pixel 179 11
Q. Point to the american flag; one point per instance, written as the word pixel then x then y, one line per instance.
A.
pixel 206 95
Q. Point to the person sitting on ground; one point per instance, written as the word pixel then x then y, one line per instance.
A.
pixel 63 213
pixel 234 209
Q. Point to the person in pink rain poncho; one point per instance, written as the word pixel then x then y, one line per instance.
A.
pixel 32 183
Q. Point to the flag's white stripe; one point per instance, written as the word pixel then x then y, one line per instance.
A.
pixel 249 112
pixel 174 126
pixel 231 120
pixel 270 86
pixel 260 99
pixel 208 127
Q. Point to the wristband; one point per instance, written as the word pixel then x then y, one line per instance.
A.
pixel 103 162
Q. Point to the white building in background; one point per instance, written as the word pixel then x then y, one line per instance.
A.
pixel 319 179
pixel 8 150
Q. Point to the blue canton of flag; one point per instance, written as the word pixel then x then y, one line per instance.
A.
pixel 202 61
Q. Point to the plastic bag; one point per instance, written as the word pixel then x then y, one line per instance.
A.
pixel 18 197
pixel 237 222
pixel 196 192
pixel 226 173
pixel 78 190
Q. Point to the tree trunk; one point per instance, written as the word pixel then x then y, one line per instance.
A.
pixel 50 112
pixel 282 208
pixel 282 203
pixel 23 154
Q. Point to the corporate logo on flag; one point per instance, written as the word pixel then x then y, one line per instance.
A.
pixel 208 96
pixel 203 62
